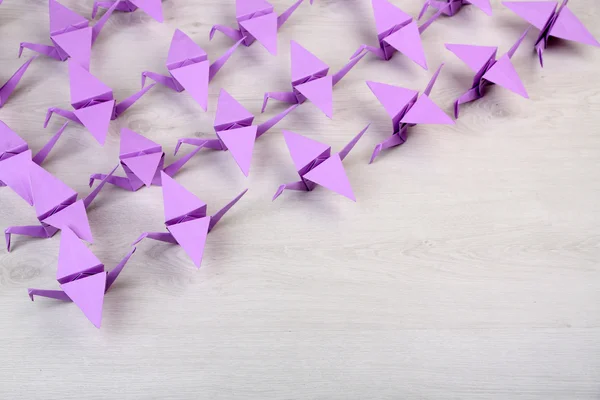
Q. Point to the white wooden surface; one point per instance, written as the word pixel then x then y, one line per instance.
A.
pixel 468 268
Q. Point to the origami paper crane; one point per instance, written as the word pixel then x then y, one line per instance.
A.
pixel 189 68
pixel 488 70
pixel 406 108
pixel 451 7
pixel 55 203
pixel 186 219
pixel 310 80
pixel 10 85
pixel 11 145
pixel 235 132
pixel 143 161
pixel 71 35
pixel 81 277
pixel 257 21
pixel 552 20
pixel 151 7
pixel 316 165
pixel 397 31
pixel 93 102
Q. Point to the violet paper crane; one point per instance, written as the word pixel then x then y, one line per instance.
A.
pixel 186 220
pixel 82 277
pixel 310 80
pixel 552 20
pixel 189 68
pixel 151 7
pixel 11 84
pixel 235 132
pixel 71 35
pixel 257 21
pixel 317 166
pixel 451 7
pixel 55 203
pixel 397 31
pixel 406 109
pixel 93 102
pixel 143 161
pixel 488 70
pixel 11 145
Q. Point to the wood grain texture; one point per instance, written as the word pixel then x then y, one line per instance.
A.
pixel 468 268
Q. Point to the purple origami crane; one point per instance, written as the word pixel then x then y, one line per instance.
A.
pixel 71 35
pixel 55 203
pixel 81 277
pixel 93 102
pixel 552 20
pixel 151 7
pixel 186 219
pixel 10 85
pixel 316 165
pixel 406 108
pixel 310 80
pixel 257 21
pixel 488 70
pixel 143 161
pixel 451 7
pixel 189 68
pixel 235 132
pixel 11 145
pixel 397 31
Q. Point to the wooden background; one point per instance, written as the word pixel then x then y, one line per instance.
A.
pixel 468 268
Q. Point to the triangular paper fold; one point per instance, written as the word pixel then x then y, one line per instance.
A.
pixel 567 26
pixel 85 86
pixel 245 7
pixel 476 57
pixel 537 13
pixel 388 15
pixel 407 40
pixel 14 172
pixel 264 29
pixel 425 111
pixel 183 48
pixel 331 174
pixel 240 142
pixel 503 73
pixel 191 235
pixel 392 98
pixel 73 217
pixel 132 143
pixel 302 149
pixel 74 257
pixel 320 93
pixel 144 166
pixel 177 200
pixel 77 44
pixel 229 110
pixel 194 79
pixel 48 191
pixel 151 7
pixel 304 63
pixel 88 294
pixel 61 18
pixel 97 118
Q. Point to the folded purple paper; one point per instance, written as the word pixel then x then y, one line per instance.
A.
pixel 186 219
pixel 11 84
pixel 12 145
pixel 310 80
pixel 256 21
pixel 451 7
pixel 81 277
pixel 235 132
pixel 71 35
pixel 552 20
pixel 143 161
pixel 397 31
pixel 151 7
pixel 55 203
pixel 406 108
pixel 488 70
pixel 189 68
pixel 317 166
pixel 93 102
